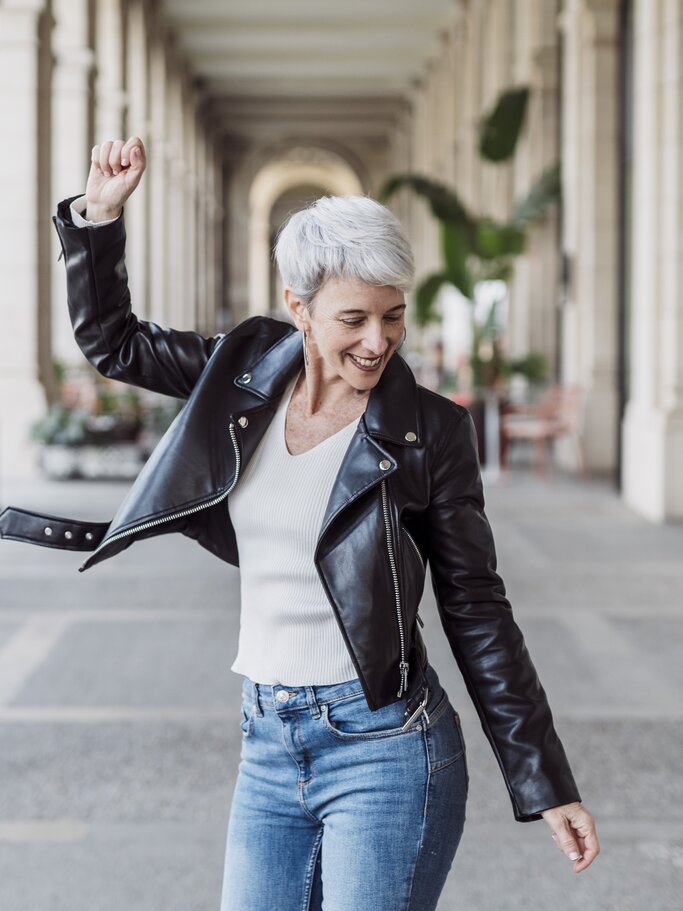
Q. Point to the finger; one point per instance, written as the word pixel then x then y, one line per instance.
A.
pixel 105 149
pixel 567 842
pixel 590 848
pixel 133 142
pixel 95 157
pixel 115 156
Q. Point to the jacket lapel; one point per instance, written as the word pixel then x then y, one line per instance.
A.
pixel 391 416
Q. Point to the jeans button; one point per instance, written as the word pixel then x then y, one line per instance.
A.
pixel 282 696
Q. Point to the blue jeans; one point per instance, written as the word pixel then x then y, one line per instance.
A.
pixel 335 803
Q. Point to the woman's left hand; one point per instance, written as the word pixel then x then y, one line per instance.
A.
pixel 573 829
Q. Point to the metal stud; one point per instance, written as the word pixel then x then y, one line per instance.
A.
pixel 47 530
pixel 410 436
pixel 89 536
pixel 68 535
pixel 246 377
pixel 243 422
pixel 384 464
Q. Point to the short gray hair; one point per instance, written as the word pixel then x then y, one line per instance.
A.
pixel 343 237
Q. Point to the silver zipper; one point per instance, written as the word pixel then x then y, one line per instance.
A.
pixel 403 665
pixel 183 512
pixel 417 549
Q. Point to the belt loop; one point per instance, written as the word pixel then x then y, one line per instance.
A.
pixel 258 711
pixel 312 702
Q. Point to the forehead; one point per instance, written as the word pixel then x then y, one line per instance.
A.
pixel 352 295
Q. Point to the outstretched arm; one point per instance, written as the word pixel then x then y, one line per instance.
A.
pixel 110 335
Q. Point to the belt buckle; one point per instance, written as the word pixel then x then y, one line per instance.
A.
pixel 422 708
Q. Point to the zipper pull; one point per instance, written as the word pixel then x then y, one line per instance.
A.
pixel 403 667
pixel 420 620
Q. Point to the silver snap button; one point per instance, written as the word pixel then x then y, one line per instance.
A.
pixel 68 535
pixel 88 536
pixel 411 437
pixel 282 696
pixel 48 531
pixel 243 422
pixel 246 377
pixel 384 464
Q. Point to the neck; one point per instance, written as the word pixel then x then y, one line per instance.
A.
pixel 327 396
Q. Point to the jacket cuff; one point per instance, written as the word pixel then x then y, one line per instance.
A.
pixel 74 238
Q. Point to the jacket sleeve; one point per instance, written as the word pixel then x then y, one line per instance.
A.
pixel 486 642
pixel 110 335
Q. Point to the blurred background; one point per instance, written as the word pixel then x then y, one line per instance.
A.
pixel 534 151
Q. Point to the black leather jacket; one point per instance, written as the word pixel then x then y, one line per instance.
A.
pixel 408 495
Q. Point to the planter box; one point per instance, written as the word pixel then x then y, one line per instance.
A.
pixel 120 461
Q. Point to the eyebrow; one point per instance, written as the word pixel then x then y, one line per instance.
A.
pixel 390 310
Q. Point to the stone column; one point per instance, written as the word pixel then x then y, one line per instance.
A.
pixel 191 130
pixel 157 177
pixel 533 313
pixel 24 303
pixel 202 244
pixel 110 95
pixel 219 278
pixel 653 423
pixel 74 60
pixel 589 152
pixel 138 123
pixel 176 211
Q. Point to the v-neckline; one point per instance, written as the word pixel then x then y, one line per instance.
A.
pixel 283 423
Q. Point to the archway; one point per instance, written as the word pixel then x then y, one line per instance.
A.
pixel 304 168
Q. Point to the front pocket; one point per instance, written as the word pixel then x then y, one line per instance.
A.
pixel 445 742
pixel 351 719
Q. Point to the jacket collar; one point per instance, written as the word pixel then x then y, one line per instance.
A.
pixel 392 413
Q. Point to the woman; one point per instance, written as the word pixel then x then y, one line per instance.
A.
pixel 340 478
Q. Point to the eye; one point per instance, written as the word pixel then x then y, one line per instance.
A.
pixel 357 322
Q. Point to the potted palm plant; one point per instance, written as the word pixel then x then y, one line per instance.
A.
pixel 476 248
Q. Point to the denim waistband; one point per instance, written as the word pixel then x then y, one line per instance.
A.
pixel 278 696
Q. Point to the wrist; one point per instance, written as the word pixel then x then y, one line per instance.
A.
pixel 99 213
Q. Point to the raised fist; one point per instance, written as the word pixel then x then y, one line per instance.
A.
pixel 115 171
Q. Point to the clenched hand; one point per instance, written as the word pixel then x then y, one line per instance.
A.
pixel 573 830
pixel 115 171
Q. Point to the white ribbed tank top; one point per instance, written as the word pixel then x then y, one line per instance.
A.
pixel 288 632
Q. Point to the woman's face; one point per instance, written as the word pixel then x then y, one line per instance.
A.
pixel 351 323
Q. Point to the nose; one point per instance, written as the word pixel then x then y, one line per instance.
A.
pixel 376 340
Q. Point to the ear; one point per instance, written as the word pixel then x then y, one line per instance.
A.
pixel 298 309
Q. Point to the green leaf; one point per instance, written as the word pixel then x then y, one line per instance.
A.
pixel 445 204
pixel 456 251
pixel 534 367
pixel 425 297
pixel 500 130
pixel 546 190
pixel 494 240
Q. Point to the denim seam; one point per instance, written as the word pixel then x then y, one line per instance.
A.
pixel 444 765
pixel 310 870
pixel 300 782
pixel 425 812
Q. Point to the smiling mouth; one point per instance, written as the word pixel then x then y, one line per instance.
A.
pixel 365 362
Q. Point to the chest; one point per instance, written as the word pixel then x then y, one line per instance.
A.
pixel 304 432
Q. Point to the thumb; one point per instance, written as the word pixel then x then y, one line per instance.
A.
pixel 566 842
pixel 136 157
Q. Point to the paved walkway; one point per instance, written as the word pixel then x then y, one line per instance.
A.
pixel 119 728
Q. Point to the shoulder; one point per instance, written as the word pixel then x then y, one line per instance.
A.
pixel 438 412
pixel 252 338
pixel 264 329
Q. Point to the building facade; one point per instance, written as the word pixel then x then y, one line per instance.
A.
pixel 230 154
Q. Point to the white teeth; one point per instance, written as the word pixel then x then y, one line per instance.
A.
pixel 364 362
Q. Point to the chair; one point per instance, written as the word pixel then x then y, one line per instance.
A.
pixel 557 415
